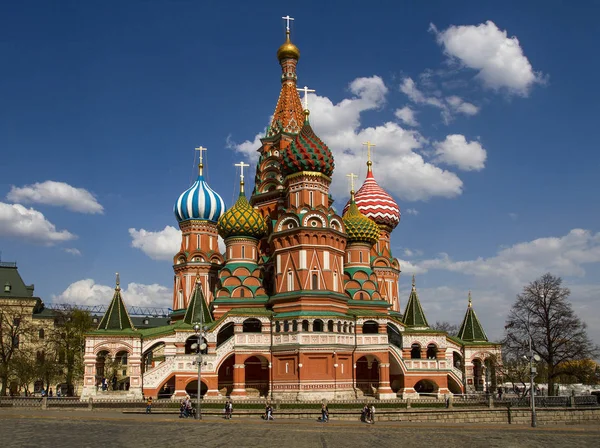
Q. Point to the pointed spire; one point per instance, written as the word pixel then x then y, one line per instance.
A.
pixel 471 329
pixel 414 315
pixel 197 310
pixel 116 317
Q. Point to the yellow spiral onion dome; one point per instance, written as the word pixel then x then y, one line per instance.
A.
pixel 242 220
pixel 359 227
pixel 288 50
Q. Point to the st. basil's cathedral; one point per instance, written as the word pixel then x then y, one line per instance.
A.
pixel 303 304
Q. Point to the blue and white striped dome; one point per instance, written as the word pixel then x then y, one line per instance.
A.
pixel 199 202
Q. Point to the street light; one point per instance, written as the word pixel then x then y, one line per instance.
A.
pixel 532 371
pixel 200 346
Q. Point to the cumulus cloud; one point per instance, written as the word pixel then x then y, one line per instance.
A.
pixel 398 166
pixel 499 59
pixel 163 244
pixel 522 262
pixel 407 116
pixel 448 106
pixel 30 224
pixel 88 292
pixel 455 150
pixel 58 194
pixel 73 251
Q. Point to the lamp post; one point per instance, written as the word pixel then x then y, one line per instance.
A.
pixel 532 372
pixel 200 346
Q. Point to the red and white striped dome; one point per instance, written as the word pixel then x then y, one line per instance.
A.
pixel 375 203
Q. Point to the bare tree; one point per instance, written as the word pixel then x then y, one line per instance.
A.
pixel 15 327
pixel 543 313
pixel 449 328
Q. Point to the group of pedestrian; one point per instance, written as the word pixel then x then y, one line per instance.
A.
pixel 228 409
pixel 185 408
pixel 368 414
pixel 268 415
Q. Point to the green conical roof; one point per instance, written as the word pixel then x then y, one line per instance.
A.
pixel 197 310
pixel 471 329
pixel 414 315
pixel 116 317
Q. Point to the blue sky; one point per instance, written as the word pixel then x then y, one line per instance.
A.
pixel 483 116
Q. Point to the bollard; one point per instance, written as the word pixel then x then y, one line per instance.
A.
pixel 449 402
pixel 44 403
pixel 90 404
pixel 408 403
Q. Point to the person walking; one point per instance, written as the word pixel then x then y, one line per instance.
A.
pixel 324 413
pixel 149 405
pixel 372 412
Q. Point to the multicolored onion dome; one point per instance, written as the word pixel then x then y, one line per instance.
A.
pixel 242 220
pixel 358 226
pixel 375 203
pixel 307 152
pixel 199 202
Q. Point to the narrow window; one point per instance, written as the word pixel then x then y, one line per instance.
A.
pixel 41 333
pixel 198 241
pixel 315 281
pixel 360 257
pixel 290 281
pixel 335 285
pixel 310 195
pixel 243 251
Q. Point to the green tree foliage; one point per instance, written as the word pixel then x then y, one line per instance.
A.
pixel 543 312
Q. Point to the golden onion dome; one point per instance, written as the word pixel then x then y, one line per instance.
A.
pixel 288 50
pixel 242 220
pixel 359 228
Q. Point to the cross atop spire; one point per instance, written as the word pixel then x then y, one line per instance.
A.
pixel 118 282
pixel 306 91
pixel 200 164
pixel 369 145
pixel 287 20
pixel 470 304
pixel 352 176
pixel 242 165
pixel 414 283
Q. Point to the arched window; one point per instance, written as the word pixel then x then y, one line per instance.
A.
pixel 243 251
pixel 242 292
pixel 277 327
pixel 290 280
pixel 295 325
pixel 360 256
pixel 335 281
pixel 346 327
pixel 252 326
pixel 431 351
pixel 415 351
pixel 41 333
pixel 286 326
pixel 339 327
pixel 361 296
pixel 315 281
pixel 370 327
pixel 318 325
pixel 304 325
pixel 330 326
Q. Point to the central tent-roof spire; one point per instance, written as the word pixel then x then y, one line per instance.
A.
pixel 288 116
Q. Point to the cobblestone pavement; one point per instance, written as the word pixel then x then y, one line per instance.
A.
pixel 56 429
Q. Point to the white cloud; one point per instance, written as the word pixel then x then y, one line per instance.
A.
pixel 56 193
pixel 88 292
pixel 499 59
pixel 411 211
pixel 455 150
pixel 447 105
pixel 523 262
pixel 72 251
pixel 163 244
pixel 408 267
pixel 30 224
pixel 407 116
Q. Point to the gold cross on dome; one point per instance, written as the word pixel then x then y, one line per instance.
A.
pixel 201 149
pixel 306 91
pixel 369 145
pixel 242 165
pixel 287 20
pixel 352 176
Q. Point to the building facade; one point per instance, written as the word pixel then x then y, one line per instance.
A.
pixel 303 303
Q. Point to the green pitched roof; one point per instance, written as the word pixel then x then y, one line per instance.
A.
pixel 414 315
pixel 197 310
pixel 471 329
pixel 116 317
pixel 11 283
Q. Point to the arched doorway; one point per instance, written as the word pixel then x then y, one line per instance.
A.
pixel 192 389
pixel 424 387
pixel 367 375
pixel 225 376
pixel 478 375
pixel 256 369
